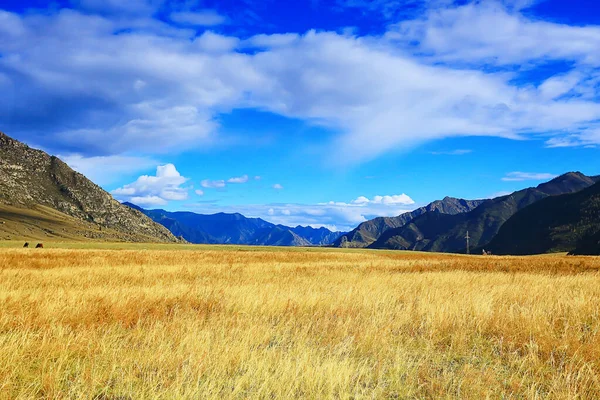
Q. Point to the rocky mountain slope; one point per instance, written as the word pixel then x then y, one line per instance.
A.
pixel 224 228
pixel 33 180
pixel 435 231
pixel 368 232
pixel 566 223
pixel 315 236
pixel 281 236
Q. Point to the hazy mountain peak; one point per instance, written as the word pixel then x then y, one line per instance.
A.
pixel 235 228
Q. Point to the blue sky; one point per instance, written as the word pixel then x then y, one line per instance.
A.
pixel 309 112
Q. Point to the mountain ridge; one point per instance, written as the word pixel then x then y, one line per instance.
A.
pixel 563 223
pixel 235 228
pixel 368 232
pixel 446 233
pixel 31 179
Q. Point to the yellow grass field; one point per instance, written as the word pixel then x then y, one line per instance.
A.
pixel 170 322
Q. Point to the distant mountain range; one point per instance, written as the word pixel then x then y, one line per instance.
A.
pixel 41 197
pixel 435 231
pixel 368 232
pixel 224 228
pixel 566 223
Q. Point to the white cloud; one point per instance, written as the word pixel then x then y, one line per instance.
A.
pixel 458 152
pixel 139 84
pixel 386 200
pixel 586 137
pixel 104 170
pixel 361 200
pixel 401 102
pixel 215 43
pixel 527 176
pixel 153 88
pixel 333 215
pixel 271 41
pixel 277 186
pixel 393 200
pixel 149 132
pixel 147 201
pixel 238 179
pixel 498 194
pixel 147 190
pixel 198 18
pixel 129 7
pixel 199 192
pixel 208 184
pixel 257 178
pixel 489 31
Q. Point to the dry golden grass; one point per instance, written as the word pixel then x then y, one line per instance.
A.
pixel 240 323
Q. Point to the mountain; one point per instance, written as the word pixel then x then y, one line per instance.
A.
pixel 589 245
pixel 209 229
pixel 566 223
pixel 435 231
pixel 280 236
pixel 315 236
pixel 224 228
pixel 42 197
pixel 368 232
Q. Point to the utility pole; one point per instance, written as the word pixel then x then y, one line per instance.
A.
pixel 468 237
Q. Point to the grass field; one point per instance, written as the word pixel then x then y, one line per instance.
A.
pixel 140 321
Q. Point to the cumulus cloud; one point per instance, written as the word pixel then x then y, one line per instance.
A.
pixel 211 42
pixel 277 186
pixel 527 176
pixel 208 184
pixel 238 179
pixel 392 200
pixel 156 190
pixel 386 200
pixel 199 192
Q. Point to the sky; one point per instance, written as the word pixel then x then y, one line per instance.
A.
pixel 311 112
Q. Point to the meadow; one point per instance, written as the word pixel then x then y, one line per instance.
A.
pixel 215 322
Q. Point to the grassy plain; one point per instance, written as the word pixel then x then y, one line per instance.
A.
pixel 135 321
